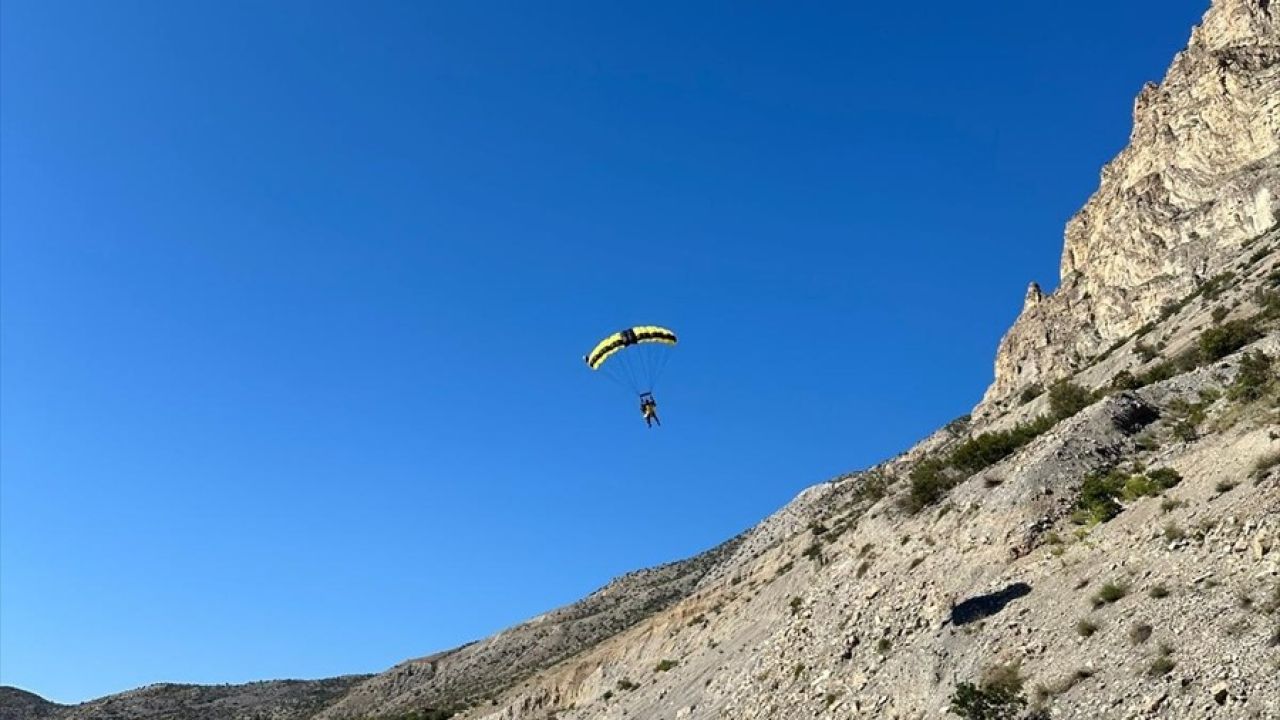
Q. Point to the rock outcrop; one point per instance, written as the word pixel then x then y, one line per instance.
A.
pixel 1199 180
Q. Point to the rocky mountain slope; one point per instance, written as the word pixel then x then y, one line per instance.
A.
pixel 1198 181
pixel 1100 539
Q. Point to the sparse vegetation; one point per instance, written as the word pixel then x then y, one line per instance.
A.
pixel 883 645
pixel 796 604
pixel 998 696
pixel 1125 380
pixel 1086 627
pixel 1031 392
pixel 1219 342
pixel 814 552
pixel 1173 533
pixel 1163 664
pixel 626 685
pixel 1263 464
pixel 1067 399
pixel 1099 492
pixel 1224 486
pixel 1219 314
pixel 665 665
pixel 1110 593
pixel 1256 375
pixel 929 482
pixel 1139 633
pixel 989 448
pixel 1158 591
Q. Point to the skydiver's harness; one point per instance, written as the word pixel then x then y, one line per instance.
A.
pixel 648 405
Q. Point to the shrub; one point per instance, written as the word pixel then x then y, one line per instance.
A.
pixel 875 485
pixel 1139 633
pixel 627 685
pixel 1165 477
pixel 1158 591
pixel 990 448
pixel 1067 399
pixel 1219 342
pixel 1265 463
pixel 1216 284
pixel 1219 314
pixel 1145 352
pixel 665 665
pixel 1109 593
pixel 795 605
pixel 929 482
pixel 883 645
pixel 1172 532
pixel 1170 504
pixel 1162 664
pixel 1138 486
pixel 814 552
pixel 998 696
pixel 1098 494
pixel 1224 486
pixel 1185 430
pixel 1030 393
pixel 1125 380
pixel 1159 373
pixel 1255 374
pixel 1086 627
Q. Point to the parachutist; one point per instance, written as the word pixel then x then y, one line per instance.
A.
pixel 649 408
pixel 634 357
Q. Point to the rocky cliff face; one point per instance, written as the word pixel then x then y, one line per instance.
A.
pixel 1198 181
pixel 1112 550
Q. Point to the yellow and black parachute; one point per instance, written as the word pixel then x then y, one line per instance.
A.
pixel 634 357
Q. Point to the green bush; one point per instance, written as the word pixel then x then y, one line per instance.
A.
pixel 1031 392
pixel 1098 495
pixel 1109 593
pixel 1086 627
pixel 1162 664
pixel 1214 287
pixel 990 448
pixel 1067 399
pixel 665 665
pixel 929 482
pixel 1165 477
pixel 997 697
pixel 1255 374
pixel 1219 314
pixel 1219 342
pixel 1125 380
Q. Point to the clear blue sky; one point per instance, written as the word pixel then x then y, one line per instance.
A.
pixel 295 295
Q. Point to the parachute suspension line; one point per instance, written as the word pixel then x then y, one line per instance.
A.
pixel 660 365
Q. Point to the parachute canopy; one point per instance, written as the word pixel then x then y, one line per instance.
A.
pixel 634 357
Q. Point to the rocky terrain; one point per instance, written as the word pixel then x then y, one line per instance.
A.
pixel 1101 538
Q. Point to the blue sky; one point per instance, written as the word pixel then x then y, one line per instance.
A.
pixel 295 295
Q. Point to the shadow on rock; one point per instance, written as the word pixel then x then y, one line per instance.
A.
pixel 984 606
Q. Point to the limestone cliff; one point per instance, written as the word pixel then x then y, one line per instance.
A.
pixel 1198 182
